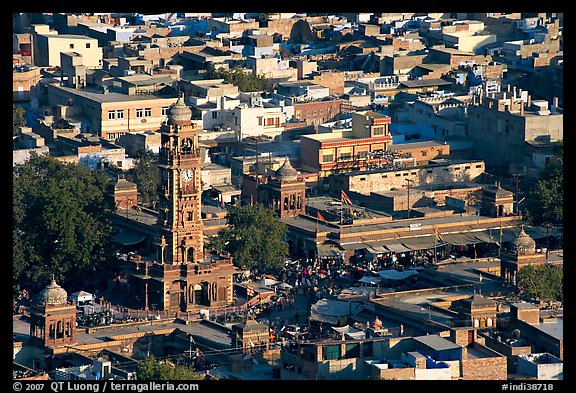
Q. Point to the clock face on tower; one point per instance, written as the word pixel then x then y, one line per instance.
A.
pixel 187 175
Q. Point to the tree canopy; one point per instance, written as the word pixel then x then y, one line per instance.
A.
pixel 545 282
pixel 146 176
pixel 238 76
pixel 151 369
pixel 254 237
pixel 545 202
pixel 60 225
pixel 18 118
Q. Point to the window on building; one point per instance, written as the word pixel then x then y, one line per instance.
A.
pixel 259 120
pixel 377 130
pixel 467 167
pixel 164 111
pixel 479 166
pixel 362 178
pixel 352 351
pixel 270 121
pixel 87 45
pixel 190 216
pixel 214 114
pixel 345 156
pixel 429 171
pixel 367 349
pixel 327 158
pixel 147 112
pixel 362 154
pixel 71 46
pixel 331 352
pixel 139 112
pixel 398 175
pixel 424 153
pixel 384 176
pixel 111 115
pixel 120 113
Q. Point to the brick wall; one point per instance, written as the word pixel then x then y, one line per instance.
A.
pixel 398 373
pixel 493 368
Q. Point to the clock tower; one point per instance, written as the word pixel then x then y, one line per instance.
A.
pixel 182 277
pixel 180 190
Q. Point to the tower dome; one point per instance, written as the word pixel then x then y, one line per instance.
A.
pixel 286 172
pixel 179 114
pixel 52 294
pixel 523 243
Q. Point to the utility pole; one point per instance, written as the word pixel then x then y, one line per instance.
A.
pixel 516 177
pixel 408 181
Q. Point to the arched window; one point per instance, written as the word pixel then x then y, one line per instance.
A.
pixel 299 202
pixel 489 322
pixel 186 145
pixel 59 330
pixel 476 323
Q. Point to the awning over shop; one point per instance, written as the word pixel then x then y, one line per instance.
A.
pixel 328 250
pixel 352 246
pixel 508 234
pixel 376 248
pixel 539 232
pixel 487 236
pixel 397 248
pixel 370 280
pixel 460 239
pixel 391 274
pixel 422 243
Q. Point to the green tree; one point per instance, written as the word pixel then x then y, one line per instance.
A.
pixel 543 282
pixel 60 225
pixel 151 369
pixel 254 237
pixel 18 118
pixel 239 76
pixel 545 202
pixel 146 176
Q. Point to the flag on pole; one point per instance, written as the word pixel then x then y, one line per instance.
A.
pixel 250 291
pixel 345 199
pixel 319 216
pixel 438 235
pixel 199 354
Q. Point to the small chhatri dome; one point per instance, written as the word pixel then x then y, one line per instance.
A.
pixel 52 294
pixel 286 172
pixel 523 244
pixel 179 114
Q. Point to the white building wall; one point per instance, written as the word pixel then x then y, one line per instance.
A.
pixel 440 374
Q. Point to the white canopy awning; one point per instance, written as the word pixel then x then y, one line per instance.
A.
pixel 391 274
